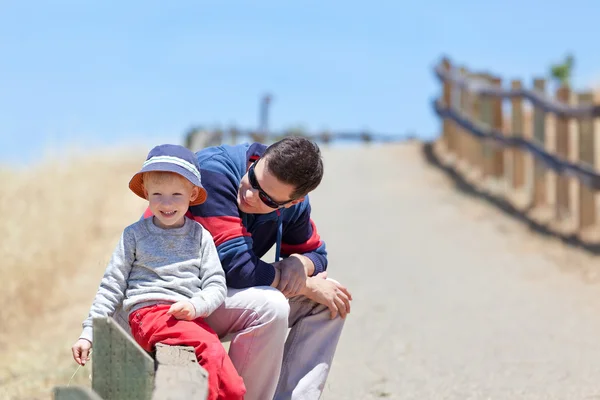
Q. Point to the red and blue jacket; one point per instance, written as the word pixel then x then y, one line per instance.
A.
pixel 241 239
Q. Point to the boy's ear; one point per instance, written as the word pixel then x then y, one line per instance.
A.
pixel 195 193
pixel 145 191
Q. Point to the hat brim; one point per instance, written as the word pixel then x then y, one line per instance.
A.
pixel 137 187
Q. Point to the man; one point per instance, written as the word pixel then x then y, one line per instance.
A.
pixel 257 198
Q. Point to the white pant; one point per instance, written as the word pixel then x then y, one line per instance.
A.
pixel 256 320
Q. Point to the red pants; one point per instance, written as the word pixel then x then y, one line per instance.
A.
pixel 151 325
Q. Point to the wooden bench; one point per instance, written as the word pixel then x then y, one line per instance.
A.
pixel 122 370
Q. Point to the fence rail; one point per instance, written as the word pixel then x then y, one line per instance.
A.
pixel 197 138
pixel 122 370
pixel 539 152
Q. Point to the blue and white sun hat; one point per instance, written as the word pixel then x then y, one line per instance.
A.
pixel 171 158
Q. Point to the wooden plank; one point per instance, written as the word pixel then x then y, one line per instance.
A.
pixel 178 375
pixel 121 369
pixel 587 145
pixel 74 393
pixel 497 160
pixel 562 151
pixel 539 136
pixel 486 119
pixel 447 124
pixel 459 101
pixel 517 129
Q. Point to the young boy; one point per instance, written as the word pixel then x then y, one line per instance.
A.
pixel 167 272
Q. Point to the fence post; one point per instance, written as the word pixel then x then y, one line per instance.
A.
pixel 474 114
pixel 562 151
pixel 517 129
pixel 462 140
pixel 447 124
pixel 497 159
pixel 539 137
pixel 121 369
pixel 486 118
pixel 587 145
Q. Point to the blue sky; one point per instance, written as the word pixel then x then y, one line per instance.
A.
pixel 103 73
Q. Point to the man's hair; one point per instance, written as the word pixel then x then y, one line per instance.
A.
pixel 296 161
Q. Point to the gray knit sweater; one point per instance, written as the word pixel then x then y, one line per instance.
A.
pixel 151 265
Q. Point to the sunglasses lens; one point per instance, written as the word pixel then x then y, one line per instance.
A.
pixel 262 195
pixel 268 202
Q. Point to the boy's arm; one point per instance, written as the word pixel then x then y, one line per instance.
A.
pixel 214 288
pixel 113 284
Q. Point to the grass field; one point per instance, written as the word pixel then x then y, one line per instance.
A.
pixel 62 219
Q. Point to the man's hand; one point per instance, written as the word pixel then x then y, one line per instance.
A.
pixel 182 310
pixel 293 276
pixel 81 351
pixel 330 293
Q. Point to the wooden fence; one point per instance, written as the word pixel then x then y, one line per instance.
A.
pixel 122 370
pixel 198 138
pixel 536 150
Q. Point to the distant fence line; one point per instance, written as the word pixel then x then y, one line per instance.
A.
pixel 197 138
pixel 527 150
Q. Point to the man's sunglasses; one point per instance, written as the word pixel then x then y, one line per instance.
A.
pixel 265 198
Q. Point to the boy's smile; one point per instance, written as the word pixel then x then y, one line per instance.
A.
pixel 168 197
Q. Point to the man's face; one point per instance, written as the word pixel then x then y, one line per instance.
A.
pixel 248 198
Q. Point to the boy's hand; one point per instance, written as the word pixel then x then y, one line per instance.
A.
pixel 81 351
pixel 182 310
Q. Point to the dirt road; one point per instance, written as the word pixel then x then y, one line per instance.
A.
pixel 452 299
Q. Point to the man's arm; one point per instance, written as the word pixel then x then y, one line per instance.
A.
pixel 303 251
pixel 221 217
pixel 300 237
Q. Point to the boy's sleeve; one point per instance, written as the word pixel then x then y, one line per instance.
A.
pixel 300 236
pixel 112 288
pixel 214 288
pixel 221 217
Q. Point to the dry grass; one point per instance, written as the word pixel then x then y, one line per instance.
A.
pixel 61 220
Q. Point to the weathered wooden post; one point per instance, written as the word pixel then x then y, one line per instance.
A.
pixel 587 146
pixel 539 137
pixel 562 151
pixel 475 114
pixel 178 375
pixel 459 95
pixel 447 124
pixel 517 130
pixel 497 157
pixel 486 118
pixel 121 369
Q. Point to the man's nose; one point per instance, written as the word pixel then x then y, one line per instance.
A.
pixel 251 195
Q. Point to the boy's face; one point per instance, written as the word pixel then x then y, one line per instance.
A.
pixel 169 198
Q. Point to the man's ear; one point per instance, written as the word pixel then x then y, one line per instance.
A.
pixel 294 202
